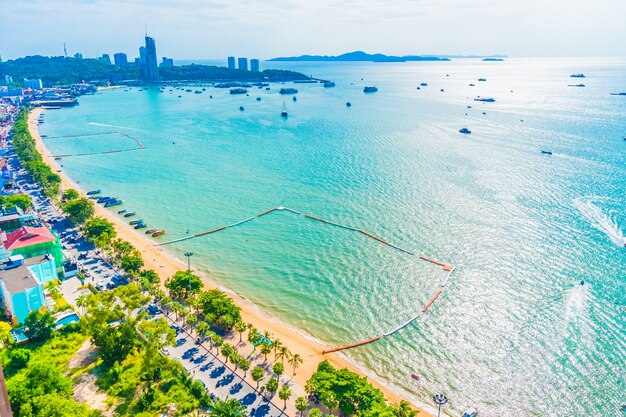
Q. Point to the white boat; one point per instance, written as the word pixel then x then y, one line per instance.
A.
pixel 470 412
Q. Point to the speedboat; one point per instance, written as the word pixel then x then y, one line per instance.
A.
pixel 158 233
pixel 581 75
pixel 129 214
pixel 576 85
pixel 482 79
pixel 93 192
pixel 546 152
pixel 121 211
pixel 112 203
pixel 140 226
pixel 465 131
pixel 136 221
pixel 470 412
pixel 151 230
pixel 105 199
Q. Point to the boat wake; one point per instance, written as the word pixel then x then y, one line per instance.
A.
pixel 600 220
pixel 115 126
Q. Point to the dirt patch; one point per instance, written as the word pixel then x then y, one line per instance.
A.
pixel 85 356
pixel 86 391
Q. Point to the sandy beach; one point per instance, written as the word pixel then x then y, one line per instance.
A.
pixel 165 265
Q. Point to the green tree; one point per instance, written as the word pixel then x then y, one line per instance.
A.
pixel 39 326
pixel 295 361
pixel 284 394
pixel 282 353
pixel 230 407
pixel 39 379
pixel 316 412
pixel 266 349
pixel 17 200
pixel 241 327
pixel 257 375
pixel 132 263
pixel 150 276
pixel 100 231
pixel 70 194
pixel 19 358
pixel 182 284
pixel 5 334
pixel 216 304
pixel 301 405
pixel 253 335
pixel 272 386
pixel 203 329
pixel 278 369
pixel 244 364
pixel 79 210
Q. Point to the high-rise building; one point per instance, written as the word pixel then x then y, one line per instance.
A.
pixel 242 64
pixel 152 69
pixel 105 58
pixel 78 55
pixel 254 65
pixel 35 84
pixel 142 62
pixel 231 62
pixel 166 63
pixel 120 58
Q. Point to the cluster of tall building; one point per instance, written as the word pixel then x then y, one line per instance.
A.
pixel 147 60
pixel 242 64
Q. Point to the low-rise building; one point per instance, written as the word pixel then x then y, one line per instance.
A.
pixel 22 283
pixel 31 242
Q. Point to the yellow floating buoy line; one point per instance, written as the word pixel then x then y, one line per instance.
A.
pixel 448 269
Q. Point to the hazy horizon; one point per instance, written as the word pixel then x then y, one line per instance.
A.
pixel 215 29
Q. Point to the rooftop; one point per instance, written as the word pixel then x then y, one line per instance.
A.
pixel 19 279
pixel 28 236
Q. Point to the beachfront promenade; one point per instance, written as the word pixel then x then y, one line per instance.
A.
pixel 217 377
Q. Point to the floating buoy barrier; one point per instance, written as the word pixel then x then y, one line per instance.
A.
pixel 447 268
pixel 364 342
pixel 139 144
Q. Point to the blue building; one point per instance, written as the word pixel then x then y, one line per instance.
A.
pixel 242 64
pixel 120 59
pixel 152 69
pixel 231 62
pixel 22 283
pixel 254 65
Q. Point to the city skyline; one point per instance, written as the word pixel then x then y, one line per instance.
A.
pixel 397 27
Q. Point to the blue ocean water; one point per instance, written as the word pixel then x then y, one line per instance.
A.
pixel 514 334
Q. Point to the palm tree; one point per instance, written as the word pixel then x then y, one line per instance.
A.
pixel 202 328
pixel 241 327
pixel 252 335
pixel 301 405
pixel 230 407
pixel 276 344
pixel 244 365
pixel 403 409
pixel 282 354
pixel 257 375
pixel 295 360
pixel 81 302
pixel 284 394
pixel 178 309
pixel 266 349
pixel 191 320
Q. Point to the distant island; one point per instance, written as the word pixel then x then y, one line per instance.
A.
pixel 59 70
pixel 359 56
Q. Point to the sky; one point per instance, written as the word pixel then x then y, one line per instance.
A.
pixel 214 29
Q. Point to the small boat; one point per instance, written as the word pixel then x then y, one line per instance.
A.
pixel 470 412
pixel 482 79
pixel 328 84
pixel 472 85
pixel 258 99
pixel 121 211
pixel 288 91
pixel 140 226
pixel 112 203
pixel 295 98
pixel 371 89
pixel 485 100
pixel 197 92
pixel 581 75
pixel 348 104
pixel 238 91
pixel 465 131
pixel 619 94
pixel 283 112
pixel 576 85
pixel 151 230
pixel 136 221
pixel 418 87
pixel 424 84
pixel 93 192
pixel 546 152
pixel 105 199
pixel 241 108
pixel 129 214
pixel 158 233
pixel 441 90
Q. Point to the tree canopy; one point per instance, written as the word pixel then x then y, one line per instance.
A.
pixel 219 306
pixel 79 209
pixel 182 284
pixel 39 326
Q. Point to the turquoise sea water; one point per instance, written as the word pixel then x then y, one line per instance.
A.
pixel 514 334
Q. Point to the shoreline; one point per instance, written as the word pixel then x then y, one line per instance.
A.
pixel 166 264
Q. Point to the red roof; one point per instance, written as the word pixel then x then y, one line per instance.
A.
pixel 28 236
